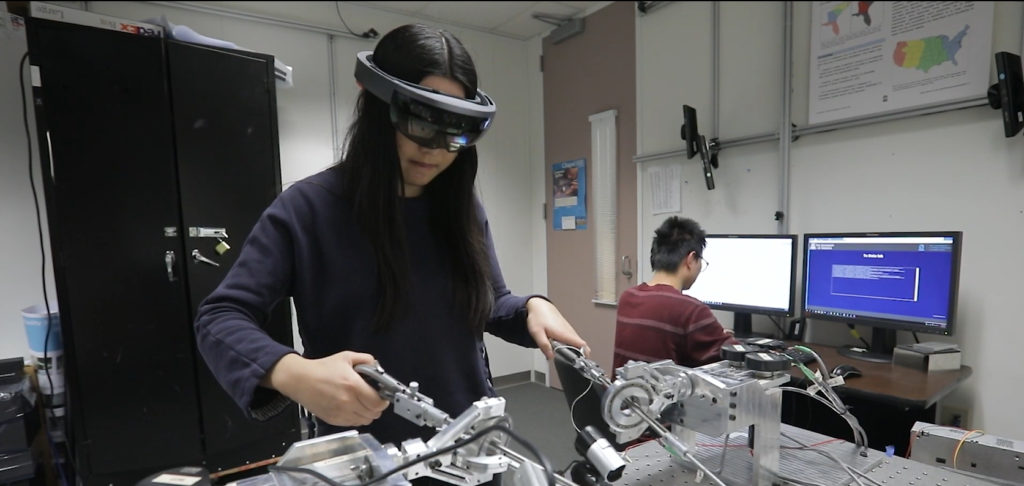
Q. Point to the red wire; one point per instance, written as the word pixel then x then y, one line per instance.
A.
pixel 825 442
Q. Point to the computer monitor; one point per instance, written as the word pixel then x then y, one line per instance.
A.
pixel 698 144
pixel 748 274
pixel 889 281
pixel 1008 92
pixel 688 132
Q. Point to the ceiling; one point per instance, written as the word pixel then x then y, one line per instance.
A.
pixel 510 19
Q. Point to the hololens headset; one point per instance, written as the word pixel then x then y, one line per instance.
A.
pixel 428 117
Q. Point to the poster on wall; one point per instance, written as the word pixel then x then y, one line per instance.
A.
pixel 569 184
pixel 665 183
pixel 870 58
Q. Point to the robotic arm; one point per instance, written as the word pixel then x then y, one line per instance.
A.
pixel 467 450
pixel 676 402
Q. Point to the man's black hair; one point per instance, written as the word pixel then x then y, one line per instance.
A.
pixel 674 240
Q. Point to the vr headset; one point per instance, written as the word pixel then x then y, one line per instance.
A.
pixel 428 117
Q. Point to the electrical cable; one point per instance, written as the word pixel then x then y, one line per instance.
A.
pixel 544 463
pixel 782 333
pixel 46 298
pixel 801 391
pixel 853 472
pixel 721 460
pixel 956 452
pixel 916 340
pixel 369 34
pixel 303 470
pixel 853 332
pixel 801 482
pixel 848 469
pixel 822 382
pixel 572 408
pixel 923 430
pixel 860 436
pixel 704 468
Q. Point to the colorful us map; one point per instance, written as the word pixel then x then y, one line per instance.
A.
pixel 924 54
pixel 832 16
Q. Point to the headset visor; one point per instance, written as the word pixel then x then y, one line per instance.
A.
pixel 432 127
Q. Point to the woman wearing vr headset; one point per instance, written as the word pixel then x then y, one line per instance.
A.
pixel 387 255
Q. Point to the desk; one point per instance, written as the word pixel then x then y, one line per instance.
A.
pixel 887 399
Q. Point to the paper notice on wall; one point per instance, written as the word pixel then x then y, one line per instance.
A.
pixel 665 183
pixel 870 58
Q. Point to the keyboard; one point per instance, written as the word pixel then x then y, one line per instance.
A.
pixel 780 347
pixel 800 355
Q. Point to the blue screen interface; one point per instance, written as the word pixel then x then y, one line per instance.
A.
pixel 902 278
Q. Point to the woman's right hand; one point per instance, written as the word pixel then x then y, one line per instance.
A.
pixel 328 387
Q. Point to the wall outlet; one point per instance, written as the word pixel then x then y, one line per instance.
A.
pixel 953 415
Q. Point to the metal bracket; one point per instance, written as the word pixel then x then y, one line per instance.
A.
pixel 203 232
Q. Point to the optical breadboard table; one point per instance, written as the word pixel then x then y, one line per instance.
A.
pixel 648 464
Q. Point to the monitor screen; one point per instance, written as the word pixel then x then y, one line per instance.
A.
pixel 748 273
pixel 1007 93
pixel 892 280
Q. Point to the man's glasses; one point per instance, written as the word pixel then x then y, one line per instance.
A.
pixel 703 263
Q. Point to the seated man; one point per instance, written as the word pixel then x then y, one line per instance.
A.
pixel 655 320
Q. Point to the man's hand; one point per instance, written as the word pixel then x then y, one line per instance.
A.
pixel 545 323
pixel 328 387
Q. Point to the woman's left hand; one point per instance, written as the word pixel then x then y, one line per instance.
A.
pixel 545 323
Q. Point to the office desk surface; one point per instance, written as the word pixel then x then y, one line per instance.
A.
pixel 886 382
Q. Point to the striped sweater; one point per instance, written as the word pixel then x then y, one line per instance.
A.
pixel 659 322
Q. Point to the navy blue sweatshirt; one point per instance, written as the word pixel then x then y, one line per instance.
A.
pixel 307 245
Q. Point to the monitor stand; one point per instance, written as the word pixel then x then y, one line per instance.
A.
pixel 743 326
pixel 882 343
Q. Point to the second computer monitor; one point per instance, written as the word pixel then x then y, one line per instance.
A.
pixel 748 274
pixel 897 281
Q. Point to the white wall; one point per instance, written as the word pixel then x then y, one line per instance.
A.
pixel 20 259
pixel 504 180
pixel 949 171
pixel 674 67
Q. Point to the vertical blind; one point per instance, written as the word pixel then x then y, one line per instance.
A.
pixel 603 157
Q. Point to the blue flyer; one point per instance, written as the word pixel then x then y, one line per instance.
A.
pixel 569 184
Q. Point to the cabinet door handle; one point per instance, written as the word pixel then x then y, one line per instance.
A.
pixel 199 258
pixel 49 151
pixel 169 261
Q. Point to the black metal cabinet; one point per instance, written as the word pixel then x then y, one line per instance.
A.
pixel 142 139
pixel 229 173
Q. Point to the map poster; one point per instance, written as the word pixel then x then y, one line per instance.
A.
pixel 870 58
pixel 569 188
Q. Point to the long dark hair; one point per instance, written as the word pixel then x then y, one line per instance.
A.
pixel 373 177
